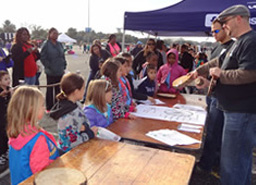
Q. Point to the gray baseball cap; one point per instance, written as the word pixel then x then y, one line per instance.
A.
pixel 234 10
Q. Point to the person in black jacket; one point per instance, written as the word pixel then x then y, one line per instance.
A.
pixel 186 60
pixel 21 50
pixel 5 95
pixel 97 54
pixel 140 58
pixel 137 48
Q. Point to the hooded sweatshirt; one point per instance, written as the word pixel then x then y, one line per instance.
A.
pixel 30 153
pixel 168 73
pixel 70 119
pixel 97 118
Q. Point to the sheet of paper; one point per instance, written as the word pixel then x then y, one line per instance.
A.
pixel 104 133
pixel 172 137
pixel 189 107
pixel 148 102
pixel 189 128
pixel 170 114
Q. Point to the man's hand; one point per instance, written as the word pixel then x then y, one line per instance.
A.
pixel 193 74
pixel 215 72
pixel 205 83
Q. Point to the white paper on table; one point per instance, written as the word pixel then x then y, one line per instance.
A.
pixel 104 133
pixel 148 102
pixel 172 137
pixel 189 128
pixel 170 114
pixel 159 102
pixel 189 107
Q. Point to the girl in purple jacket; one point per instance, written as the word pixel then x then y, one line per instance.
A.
pixel 98 111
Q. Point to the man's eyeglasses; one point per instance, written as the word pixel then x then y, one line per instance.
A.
pixel 215 31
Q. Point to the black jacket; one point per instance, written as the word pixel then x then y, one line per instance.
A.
pixel 18 57
pixel 135 95
pixel 140 59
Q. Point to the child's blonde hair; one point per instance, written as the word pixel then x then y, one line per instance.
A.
pixel 23 109
pixel 96 93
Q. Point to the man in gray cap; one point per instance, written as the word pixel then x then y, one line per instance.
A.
pixel 236 93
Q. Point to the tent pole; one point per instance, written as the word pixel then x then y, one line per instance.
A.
pixel 123 40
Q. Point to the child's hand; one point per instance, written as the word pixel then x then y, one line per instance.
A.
pixel 95 130
pixel 82 128
pixel 11 90
pixel 4 93
pixel 151 99
pixel 131 116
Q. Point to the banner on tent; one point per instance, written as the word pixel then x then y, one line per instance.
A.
pixel 209 18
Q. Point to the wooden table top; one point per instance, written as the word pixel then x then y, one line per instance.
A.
pixel 107 162
pixel 135 130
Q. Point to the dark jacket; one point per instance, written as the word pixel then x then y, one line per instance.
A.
pixel 94 60
pixel 135 95
pixel 18 56
pixel 147 87
pixel 53 58
pixel 3 109
pixel 136 50
pixel 141 59
pixel 186 61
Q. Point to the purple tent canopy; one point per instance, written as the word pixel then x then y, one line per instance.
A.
pixel 186 18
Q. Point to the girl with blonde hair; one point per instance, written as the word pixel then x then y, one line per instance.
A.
pixel 31 147
pixel 98 99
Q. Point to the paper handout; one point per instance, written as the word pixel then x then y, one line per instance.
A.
pixel 189 128
pixel 104 133
pixel 172 137
pixel 170 114
pixel 148 102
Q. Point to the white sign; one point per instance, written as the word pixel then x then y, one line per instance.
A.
pixel 209 18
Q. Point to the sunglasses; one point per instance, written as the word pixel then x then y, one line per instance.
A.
pixel 151 44
pixel 215 31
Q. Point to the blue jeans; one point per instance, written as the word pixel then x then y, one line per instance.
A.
pixel 30 80
pixel 214 126
pixel 239 135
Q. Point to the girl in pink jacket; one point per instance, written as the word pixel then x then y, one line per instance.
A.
pixel 31 148
pixel 169 72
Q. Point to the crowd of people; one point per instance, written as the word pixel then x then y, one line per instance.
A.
pixel 118 78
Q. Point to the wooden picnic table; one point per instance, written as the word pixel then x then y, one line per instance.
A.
pixel 106 162
pixel 135 130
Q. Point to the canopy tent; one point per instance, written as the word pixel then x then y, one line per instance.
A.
pixel 65 38
pixel 186 18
